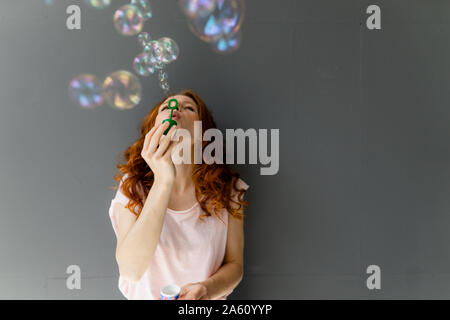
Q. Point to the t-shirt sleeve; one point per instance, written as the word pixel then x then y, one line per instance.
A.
pixel 118 198
pixel 241 184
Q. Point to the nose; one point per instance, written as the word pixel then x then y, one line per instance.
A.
pixel 175 114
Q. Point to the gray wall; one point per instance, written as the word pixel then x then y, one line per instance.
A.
pixel 364 120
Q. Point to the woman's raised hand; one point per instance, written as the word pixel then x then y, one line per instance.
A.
pixel 157 152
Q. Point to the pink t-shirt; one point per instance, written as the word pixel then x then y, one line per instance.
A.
pixel 189 250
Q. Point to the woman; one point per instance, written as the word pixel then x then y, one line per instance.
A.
pixel 177 223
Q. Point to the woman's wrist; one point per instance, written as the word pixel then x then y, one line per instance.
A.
pixel 206 285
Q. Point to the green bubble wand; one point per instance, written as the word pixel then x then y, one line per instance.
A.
pixel 170 120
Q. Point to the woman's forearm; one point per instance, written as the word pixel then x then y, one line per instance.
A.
pixel 224 280
pixel 136 250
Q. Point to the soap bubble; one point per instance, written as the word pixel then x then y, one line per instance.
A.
pixel 170 50
pixel 158 65
pixel 195 8
pixel 155 50
pixel 164 85
pixel 144 39
pixel 227 43
pixel 144 7
pixel 86 90
pixel 122 90
pixel 142 64
pixel 162 76
pixel 128 20
pixel 225 19
pixel 99 4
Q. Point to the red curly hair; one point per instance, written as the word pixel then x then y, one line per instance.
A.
pixel 215 184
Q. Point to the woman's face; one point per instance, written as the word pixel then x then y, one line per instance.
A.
pixel 185 115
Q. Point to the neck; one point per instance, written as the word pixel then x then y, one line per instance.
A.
pixel 183 178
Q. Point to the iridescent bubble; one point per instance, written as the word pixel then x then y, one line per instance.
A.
pixel 142 64
pixel 155 49
pixel 99 4
pixel 144 7
pixel 195 8
pixel 225 19
pixel 86 90
pixel 144 39
pixel 227 43
pixel 170 50
pixel 162 76
pixel 158 65
pixel 122 90
pixel 164 85
pixel 128 20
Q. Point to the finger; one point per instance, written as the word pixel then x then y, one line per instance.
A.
pixel 182 291
pixel 165 126
pixel 157 136
pixel 172 146
pixel 148 136
pixel 165 141
pixel 168 154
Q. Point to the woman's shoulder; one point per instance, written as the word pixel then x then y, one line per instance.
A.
pixel 237 188
pixel 241 184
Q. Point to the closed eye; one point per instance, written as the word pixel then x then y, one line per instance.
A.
pixel 188 107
